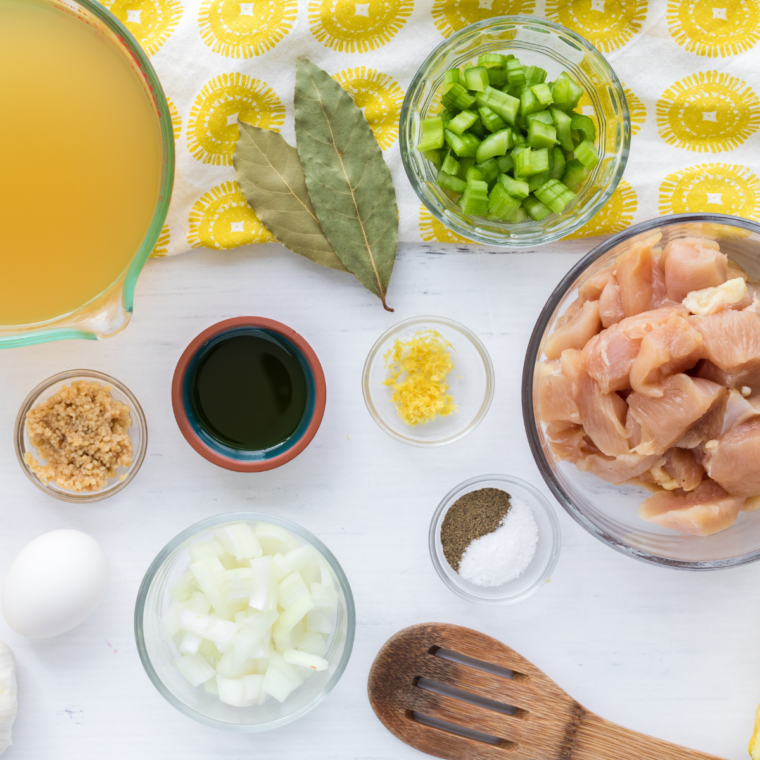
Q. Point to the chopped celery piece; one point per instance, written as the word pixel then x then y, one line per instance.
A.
pixel 475 198
pixel 462 121
pixel 450 78
pixel 529 103
pixel 586 153
pixel 515 73
pixel 566 92
pixel 434 156
pixel 584 126
pixel 515 187
pixel 518 138
pixel 496 144
pixel 554 195
pixel 529 162
pixel 449 182
pixel 575 174
pixel 541 135
pixel 520 215
pixel 489 169
pixel 505 163
pixel 559 163
pixel 464 165
pixel 431 134
pixel 473 173
pixel 544 116
pixel 478 129
pixel 450 165
pixel 543 93
pixel 462 145
pixel 534 75
pixel 492 60
pixel 491 120
pixel 537 180
pixel 562 123
pixel 505 105
pixel 536 210
pixel 497 77
pixel 477 78
pixel 456 98
pixel 501 205
pixel 447 116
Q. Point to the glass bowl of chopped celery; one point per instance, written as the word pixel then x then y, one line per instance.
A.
pixel 245 622
pixel 428 381
pixel 514 132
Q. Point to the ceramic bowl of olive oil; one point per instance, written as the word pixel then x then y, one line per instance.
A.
pixel 249 394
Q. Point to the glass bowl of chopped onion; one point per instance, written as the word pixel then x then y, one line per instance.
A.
pixel 428 381
pixel 508 564
pixel 245 622
pixel 101 462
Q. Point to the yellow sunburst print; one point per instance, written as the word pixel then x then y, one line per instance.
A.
pixel 708 112
pixel 615 216
pixel 452 15
pixel 608 24
pixel 212 129
pixel 433 231
pixel 176 119
pixel 636 109
pixel 351 27
pixel 720 188
pixel 714 28
pixel 150 21
pixel 243 30
pixel 161 248
pixel 223 219
pixel 379 97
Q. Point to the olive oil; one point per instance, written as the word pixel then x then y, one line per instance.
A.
pixel 249 390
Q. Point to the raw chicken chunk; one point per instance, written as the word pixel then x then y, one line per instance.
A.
pixel 739 410
pixel 669 349
pixel 733 460
pixel 692 264
pixel 666 419
pixel 706 510
pixel 679 468
pixel 634 277
pixel 603 416
pixel 576 332
pixel 569 442
pixel 749 378
pixel 617 469
pixel 556 388
pixel 592 287
pixel 610 305
pixel 731 339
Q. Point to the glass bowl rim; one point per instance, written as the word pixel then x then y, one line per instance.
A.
pixel 212 522
pixel 487 365
pixel 528 411
pixel 136 414
pixel 421 76
pixel 57 328
pixel 465 487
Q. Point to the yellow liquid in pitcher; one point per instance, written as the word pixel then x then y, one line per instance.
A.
pixel 80 162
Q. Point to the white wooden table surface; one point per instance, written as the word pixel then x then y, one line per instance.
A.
pixel 670 653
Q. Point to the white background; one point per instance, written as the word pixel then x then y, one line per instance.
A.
pixel 669 653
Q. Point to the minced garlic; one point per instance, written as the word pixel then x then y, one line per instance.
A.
pixel 424 361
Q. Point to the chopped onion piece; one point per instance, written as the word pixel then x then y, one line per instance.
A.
pixel 253 690
pixel 230 690
pixel 313 643
pixel 320 621
pixel 261 622
pixel 198 602
pixel 239 541
pixel 274 539
pixel 248 644
pixel 281 566
pixel 211 687
pixel 190 644
pixel 194 622
pixel 305 660
pixel 291 589
pixel 281 678
pixel 299 558
pixel 264 585
pixel 324 596
pixel 222 633
pixel 202 549
pixel 236 585
pixel 295 613
pixel 208 572
pixel 195 668
pixel 284 640
pixel 170 621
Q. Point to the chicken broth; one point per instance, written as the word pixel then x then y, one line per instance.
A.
pixel 80 152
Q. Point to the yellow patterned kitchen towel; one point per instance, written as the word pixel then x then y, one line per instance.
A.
pixel 686 66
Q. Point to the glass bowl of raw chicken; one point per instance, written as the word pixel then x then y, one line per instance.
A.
pixel 641 391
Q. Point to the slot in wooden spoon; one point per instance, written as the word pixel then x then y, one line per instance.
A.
pixel 458 694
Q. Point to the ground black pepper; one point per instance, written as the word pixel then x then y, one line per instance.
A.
pixel 472 516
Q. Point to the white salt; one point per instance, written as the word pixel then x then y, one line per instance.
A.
pixel 502 556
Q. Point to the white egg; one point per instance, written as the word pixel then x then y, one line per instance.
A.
pixel 55 583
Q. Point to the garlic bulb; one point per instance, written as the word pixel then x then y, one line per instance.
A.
pixel 8 702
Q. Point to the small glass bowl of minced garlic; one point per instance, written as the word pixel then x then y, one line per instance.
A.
pixel 494 539
pixel 428 381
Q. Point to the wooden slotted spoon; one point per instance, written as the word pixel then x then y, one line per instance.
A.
pixel 458 694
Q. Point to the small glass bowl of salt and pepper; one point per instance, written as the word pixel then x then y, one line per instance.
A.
pixel 500 534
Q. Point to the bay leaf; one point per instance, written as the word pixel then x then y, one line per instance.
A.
pixel 349 183
pixel 269 174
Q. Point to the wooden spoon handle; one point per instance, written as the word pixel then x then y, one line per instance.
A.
pixel 598 739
